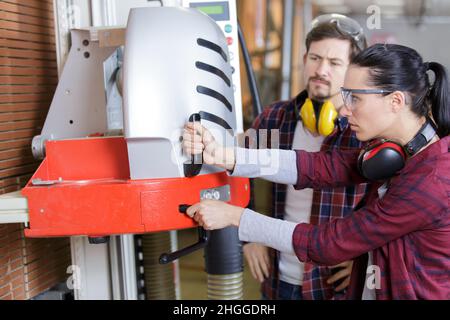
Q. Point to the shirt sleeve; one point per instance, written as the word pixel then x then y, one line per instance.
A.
pixel 409 205
pixel 327 169
pixel 274 165
pixel 271 232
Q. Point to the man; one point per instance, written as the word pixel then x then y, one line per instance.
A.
pixel 302 124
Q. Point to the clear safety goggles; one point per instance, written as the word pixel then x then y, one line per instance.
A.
pixel 347 95
pixel 345 25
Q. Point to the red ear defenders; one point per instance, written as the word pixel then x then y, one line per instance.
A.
pixel 383 159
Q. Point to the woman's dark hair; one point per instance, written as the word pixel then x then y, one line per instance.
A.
pixel 398 68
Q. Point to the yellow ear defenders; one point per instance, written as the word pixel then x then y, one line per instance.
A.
pixel 326 113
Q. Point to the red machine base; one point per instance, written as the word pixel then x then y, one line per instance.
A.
pixel 83 187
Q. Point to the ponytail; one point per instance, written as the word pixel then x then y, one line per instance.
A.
pixel 439 99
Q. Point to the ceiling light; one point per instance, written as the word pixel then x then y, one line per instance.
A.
pixel 328 2
pixel 390 3
pixel 336 9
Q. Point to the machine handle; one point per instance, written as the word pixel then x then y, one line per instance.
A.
pixel 203 237
pixel 202 242
pixel 193 167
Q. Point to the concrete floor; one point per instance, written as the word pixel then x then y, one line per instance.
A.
pixel 193 281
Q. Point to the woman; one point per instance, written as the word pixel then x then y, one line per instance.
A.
pixel 402 232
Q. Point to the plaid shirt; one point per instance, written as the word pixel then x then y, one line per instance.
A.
pixel 407 230
pixel 327 204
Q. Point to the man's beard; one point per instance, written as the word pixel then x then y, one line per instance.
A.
pixel 318 97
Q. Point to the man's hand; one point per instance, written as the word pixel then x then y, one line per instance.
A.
pixel 257 257
pixel 197 139
pixel 345 270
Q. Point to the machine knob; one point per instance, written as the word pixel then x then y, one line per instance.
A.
pixel 38 147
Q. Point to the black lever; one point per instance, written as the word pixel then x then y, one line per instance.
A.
pixel 193 167
pixel 203 237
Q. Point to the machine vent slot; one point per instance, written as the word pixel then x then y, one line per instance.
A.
pixel 212 46
pixel 216 95
pixel 213 118
pixel 214 70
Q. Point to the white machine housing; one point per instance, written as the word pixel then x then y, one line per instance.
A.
pixel 159 97
pixel 224 13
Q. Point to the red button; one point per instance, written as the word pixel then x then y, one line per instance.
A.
pixel 229 41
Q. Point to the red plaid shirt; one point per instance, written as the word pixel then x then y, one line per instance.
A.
pixel 327 204
pixel 407 230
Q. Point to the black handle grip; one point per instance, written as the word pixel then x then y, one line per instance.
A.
pixel 196 158
pixel 183 208
pixel 193 167
pixel 203 237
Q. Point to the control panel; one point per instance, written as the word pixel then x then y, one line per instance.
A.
pixel 219 193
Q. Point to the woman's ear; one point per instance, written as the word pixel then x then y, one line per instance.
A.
pixel 398 101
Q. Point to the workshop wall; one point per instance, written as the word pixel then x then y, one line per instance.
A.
pixel 28 78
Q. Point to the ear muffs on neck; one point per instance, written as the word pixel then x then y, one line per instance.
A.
pixel 382 159
pixel 325 113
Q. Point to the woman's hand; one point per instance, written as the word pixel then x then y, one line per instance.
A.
pixel 213 214
pixel 197 139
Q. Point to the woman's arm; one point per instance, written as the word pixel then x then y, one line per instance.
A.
pixel 409 205
pixel 271 232
pixel 305 169
pixel 253 227
pixel 300 168
pixel 413 203
pixel 274 165
pixel 325 169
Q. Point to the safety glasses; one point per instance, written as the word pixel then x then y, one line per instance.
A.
pixel 347 95
pixel 345 25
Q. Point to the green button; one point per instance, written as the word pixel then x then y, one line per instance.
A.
pixel 228 28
